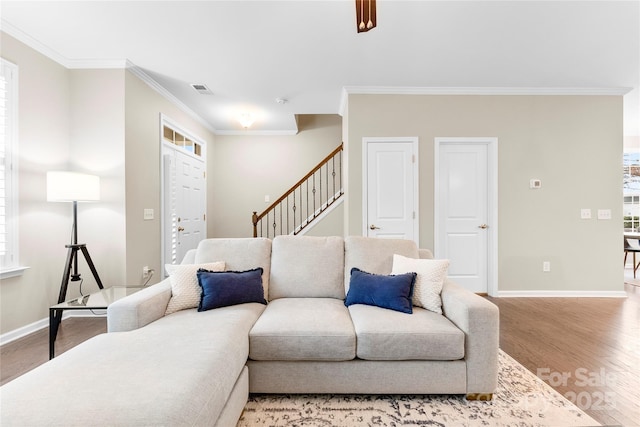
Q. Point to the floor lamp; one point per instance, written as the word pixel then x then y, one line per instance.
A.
pixel 73 187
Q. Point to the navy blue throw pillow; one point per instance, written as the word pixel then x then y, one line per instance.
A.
pixel 224 288
pixel 393 292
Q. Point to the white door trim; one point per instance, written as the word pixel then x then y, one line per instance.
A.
pixel 492 203
pixel 166 148
pixel 365 184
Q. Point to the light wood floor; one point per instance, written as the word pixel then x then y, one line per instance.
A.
pixel 595 340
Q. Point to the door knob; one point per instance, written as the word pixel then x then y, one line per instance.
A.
pixel 373 227
pixel 180 228
pixel 483 226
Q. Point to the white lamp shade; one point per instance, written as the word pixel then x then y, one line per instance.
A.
pixel 72 187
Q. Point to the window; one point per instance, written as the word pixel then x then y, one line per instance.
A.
pixel 174 137
pixel 631 189
pixel 9 265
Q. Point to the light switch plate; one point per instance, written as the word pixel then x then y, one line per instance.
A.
pixel 604 213
pixel 148 214
pixel 585 213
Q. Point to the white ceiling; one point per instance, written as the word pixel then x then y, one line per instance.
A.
pixel 250 53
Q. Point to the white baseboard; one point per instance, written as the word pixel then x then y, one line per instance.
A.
pixel 562 294
pixel 44 323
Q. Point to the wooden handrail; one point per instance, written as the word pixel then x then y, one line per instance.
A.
pixel 297 184
pixel 256 218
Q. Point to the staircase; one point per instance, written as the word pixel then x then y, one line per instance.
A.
pixel 305 202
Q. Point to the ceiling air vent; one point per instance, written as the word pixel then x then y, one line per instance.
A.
pixel 202 89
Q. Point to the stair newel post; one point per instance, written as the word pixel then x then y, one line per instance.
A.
pixel 254 219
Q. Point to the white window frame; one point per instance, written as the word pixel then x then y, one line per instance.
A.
pixel 631 194
pixel 10 262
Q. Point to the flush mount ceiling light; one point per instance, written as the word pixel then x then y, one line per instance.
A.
pixel 246 120
pixel 365 15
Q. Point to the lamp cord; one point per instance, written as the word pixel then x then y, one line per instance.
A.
pixel 151 271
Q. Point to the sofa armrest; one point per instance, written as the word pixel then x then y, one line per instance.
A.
pixel 139 309
pixel 189 257
pixel 479 319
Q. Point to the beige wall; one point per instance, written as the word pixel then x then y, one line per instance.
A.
pixel 243 169
pixel 43 145
pixel 330 225
pixel 64 116
pixel 97 147
pixel 89 121
pixel 143 108
pixel 572 143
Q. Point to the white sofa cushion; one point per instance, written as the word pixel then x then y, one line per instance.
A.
pixel 429 279
pixel 239 255
pixel 374 255
pixel 306 267
pixel 391 335
pixel 303 329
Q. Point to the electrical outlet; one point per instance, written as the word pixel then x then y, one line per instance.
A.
pixel 546 266
pixel 146 271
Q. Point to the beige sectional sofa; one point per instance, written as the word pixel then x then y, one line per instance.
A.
pixel 197 368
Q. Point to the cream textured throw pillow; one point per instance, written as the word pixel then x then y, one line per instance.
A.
pixel 430 277
pixel 185 291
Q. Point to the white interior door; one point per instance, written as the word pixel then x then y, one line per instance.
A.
pixel 184 204
pixel 190 208
pixel 464 219
pixel 391 188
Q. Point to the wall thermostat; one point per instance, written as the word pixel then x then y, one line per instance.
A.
pixel 535 183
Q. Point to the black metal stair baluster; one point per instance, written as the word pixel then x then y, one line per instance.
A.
pixel 294 212
pixel 314 195
pixel 274 223
pixel 333 175
pixel 307 216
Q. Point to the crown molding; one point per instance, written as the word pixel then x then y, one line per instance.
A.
pixel 33 43
pixel 87 64
pixel 52 54
pixel 399 90
pixel 496 91
pixel 146 78
pixel 91 64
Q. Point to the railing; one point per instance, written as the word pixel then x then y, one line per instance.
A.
pixel 303 202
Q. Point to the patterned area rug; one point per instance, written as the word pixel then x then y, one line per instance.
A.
pixel 521 400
